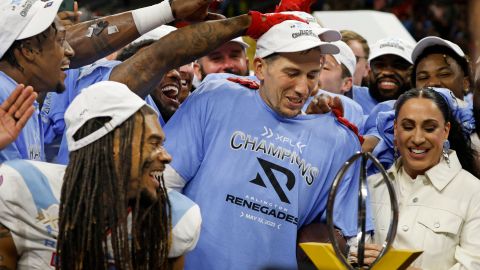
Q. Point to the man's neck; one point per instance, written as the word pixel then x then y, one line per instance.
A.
pixel 19 77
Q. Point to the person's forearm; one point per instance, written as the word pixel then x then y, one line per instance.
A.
pixel 144 70
pixel 90 45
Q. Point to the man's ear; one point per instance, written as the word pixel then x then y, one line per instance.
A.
pixel 26 51
pixel 347 83
pixel 259 67
pixel 196 71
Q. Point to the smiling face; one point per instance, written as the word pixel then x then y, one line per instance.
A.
pixel 49 59
pixel 331 76
pixel 388 77
pixel 420 131
pixel 287 79
pixel 149 160
pixel 228 58
pixel 440 70
pixel 166 93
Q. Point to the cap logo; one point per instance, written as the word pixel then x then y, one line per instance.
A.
pixel 303 33
pixel 393 45
pixel 26 7
pixel 49 4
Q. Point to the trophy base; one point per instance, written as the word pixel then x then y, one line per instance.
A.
pixel 323 257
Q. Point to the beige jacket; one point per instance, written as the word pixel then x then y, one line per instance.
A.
pixel 441 215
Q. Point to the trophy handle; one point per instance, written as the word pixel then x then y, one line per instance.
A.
pixel 362 196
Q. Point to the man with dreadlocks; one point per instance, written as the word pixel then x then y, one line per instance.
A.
pixel 114 209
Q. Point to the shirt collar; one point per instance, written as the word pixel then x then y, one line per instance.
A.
pixel 439 175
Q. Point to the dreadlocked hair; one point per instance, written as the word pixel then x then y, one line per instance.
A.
pixel 94 203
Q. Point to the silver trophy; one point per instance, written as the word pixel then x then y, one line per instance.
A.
pixel 362 201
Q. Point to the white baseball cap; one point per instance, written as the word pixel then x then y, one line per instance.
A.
pixel 291 36
pixel 346 56
pixel 102 99
pixel 325 34
pixel 391 45
pixel 240 41
pixel 432 41
pixel 156 33
pixel 20 19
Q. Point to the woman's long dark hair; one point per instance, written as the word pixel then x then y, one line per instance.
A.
pixel 458 140
pixel 94 201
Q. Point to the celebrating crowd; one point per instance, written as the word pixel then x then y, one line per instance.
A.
pixel 127 143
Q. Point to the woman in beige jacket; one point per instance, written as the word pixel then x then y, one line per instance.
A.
pixel 439 202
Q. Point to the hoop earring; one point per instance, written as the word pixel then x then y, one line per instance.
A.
pixel 446 147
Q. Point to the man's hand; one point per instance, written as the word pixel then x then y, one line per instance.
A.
pixel 15 112
pixel 261 23
pixel 323 104
pixel 371 253
pixel 370 143
pixel 69 18
pixel 193 10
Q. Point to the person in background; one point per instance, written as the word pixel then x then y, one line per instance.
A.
pixel 360 48
pixel 440 63
pixel 230 57
pixel 390 60
pixel 338 70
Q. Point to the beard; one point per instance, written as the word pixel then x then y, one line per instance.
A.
pixel 59 88
pixel 378 94
pixel 145 200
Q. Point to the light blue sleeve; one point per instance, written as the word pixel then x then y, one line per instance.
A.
pixel 80 79
pixel 371 122
pixel 187 125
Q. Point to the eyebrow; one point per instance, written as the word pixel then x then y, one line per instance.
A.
pixel 428 121
pixel 156 137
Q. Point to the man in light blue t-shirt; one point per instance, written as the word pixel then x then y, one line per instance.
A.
pixel 255 164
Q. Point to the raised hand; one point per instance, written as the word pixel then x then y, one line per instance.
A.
pixel 193 10
pixel 69 18
pixel 261 23
pixel 15 112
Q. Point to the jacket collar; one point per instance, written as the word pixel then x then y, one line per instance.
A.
pixel 439 175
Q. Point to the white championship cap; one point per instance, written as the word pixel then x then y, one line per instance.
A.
pixel 391 45
pixel 432 41
pixel 20 19
pixel 291 36
pixel 346 56
pixel 155 34
pixel 325 34
pixel 102 99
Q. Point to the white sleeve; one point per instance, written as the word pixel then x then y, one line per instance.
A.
pixel 172 179
pixel 186 224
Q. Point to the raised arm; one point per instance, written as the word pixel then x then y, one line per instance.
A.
pixel 98 38
pixel 145 69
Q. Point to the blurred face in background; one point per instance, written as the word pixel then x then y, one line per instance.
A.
pixel 388 77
